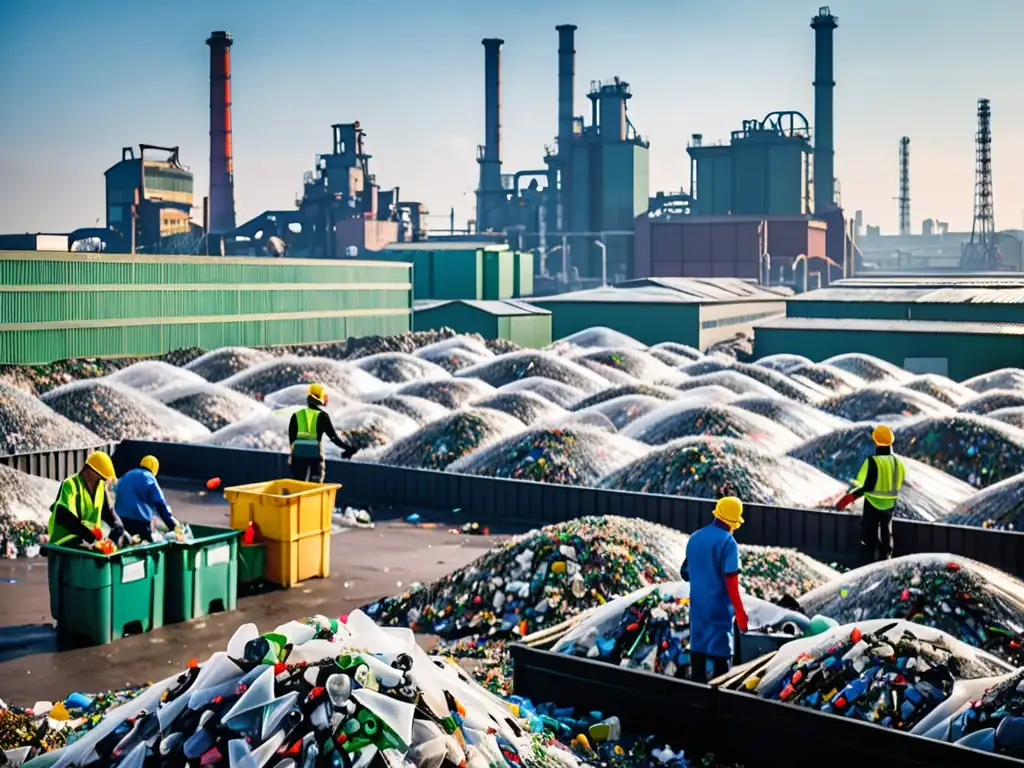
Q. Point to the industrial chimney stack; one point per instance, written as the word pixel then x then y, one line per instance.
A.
pixel 490 193
pixel 824 25
pixel 222 176
pixel 566 103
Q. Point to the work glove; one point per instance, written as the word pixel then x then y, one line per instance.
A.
pixel 846 501
pixel 120 537
pixel 348 452
pixel 742 621
pixel 98 533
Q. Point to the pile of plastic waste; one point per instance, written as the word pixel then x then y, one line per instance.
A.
pixel 599 337
pixel 1012 416
pixel 27 425
pixel 623 411
pixel 993 400
pixel 713 467
pixel 264 432
pixel 24 511
pixel 115 412
pixel 573 455
pixel 992 722
pixel 928 493
pixel 556 392
pixel 340 378
pixel 451 393
pixel 453 359
pixel 316 692
pixel 783 362
pixel 527 407
pixel 418 409
pixel 890 673
pixel 798 392
pixel 828 377
pixel 450 438
pixel 869 368
pixel 883 403
pixel 978 450
pixel 678 420
pixel 521 365
pixel 702 366
pixel 635 363
pixel 150 376
pixel 942 389
pixel 802 420
pixel 771 573
pixel 972 602
pixel 613 393
pixel 1004 378
pixel 399 367
pixel 734 381
pixel 212 405
pixel 371 426
pixel 219 364
pixel 650 629
pixel 1000 506
pixel 539 579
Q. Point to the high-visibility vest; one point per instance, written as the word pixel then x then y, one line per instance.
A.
pixel 887 486
pixel 307 444
pixel 75 496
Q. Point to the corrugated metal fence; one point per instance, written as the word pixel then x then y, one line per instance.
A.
pixel 54 465
pixel 826 536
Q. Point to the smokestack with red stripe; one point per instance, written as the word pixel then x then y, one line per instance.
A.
pixel 222 175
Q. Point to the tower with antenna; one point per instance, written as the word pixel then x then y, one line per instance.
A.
pixel 904 198
pixel 982 252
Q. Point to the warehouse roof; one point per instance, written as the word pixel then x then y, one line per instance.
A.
pixel 507 308
pixel 1011 294
pixel 932 280
pixel 890 326
pixel 447 245
pixel 670 291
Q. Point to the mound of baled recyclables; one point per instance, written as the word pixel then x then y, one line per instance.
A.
pixel 665 419
pixel 326 691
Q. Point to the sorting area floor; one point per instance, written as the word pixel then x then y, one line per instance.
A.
pixel 366 564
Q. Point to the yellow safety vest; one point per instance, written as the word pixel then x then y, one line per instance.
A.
pixel 306 444
pixel 887 486
pixel 74 494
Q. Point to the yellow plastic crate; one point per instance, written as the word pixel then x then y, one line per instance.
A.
pixel 308 557
pixel 284 510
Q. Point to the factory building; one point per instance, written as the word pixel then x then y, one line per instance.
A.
pixel 155 193
pixel 697 312
pixel 954 303
pixel 746 247
pixel 464 270
pixel 956 350
pixel 148 305
pixel 517 321
pixel 596 174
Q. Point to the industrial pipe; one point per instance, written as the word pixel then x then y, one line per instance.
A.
pixel 492 99
pixel 519 174
pixel 222 176
pixel 566 84
pixel 604 262
pixel 824 25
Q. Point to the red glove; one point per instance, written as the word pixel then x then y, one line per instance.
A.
pixel 732 586
pixel 98 533
pixel 846 501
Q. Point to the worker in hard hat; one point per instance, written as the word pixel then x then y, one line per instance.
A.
pixel 82 503
pixel 306 431
pixel 140 498
pixel 878 481
pixel 712 566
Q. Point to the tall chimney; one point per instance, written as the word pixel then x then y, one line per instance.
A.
pixel 222 175
pixel 824 24
pixel 490 192
pixel 566 102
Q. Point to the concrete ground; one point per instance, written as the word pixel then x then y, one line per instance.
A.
pixel 366 564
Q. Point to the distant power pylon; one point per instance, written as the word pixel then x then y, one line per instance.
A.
pixel 904 197
pixel 982 252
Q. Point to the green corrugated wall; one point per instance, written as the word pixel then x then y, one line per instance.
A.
pixel 55 305
pixel 525 330
pixel 967 355
pixel 960 312
pixel 649 323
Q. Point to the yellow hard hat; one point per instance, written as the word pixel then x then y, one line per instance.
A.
pixel 883 436
pixel 729 510
pixel 151 463
pixel 318 392
pixel 100 463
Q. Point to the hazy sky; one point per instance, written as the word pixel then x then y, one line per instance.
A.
pixel 80 80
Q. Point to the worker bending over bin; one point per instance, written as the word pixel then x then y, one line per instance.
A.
pixel 82 503
pixel 712 566
pixel 139 496
pixel 879 481
pixel 306 430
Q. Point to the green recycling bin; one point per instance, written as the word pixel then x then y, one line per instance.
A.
pixel 202 574
pixel 100 598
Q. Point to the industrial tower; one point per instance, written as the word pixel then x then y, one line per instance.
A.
pixel 982 252
pixel 824 26
pixel 904 197
pixel 222 174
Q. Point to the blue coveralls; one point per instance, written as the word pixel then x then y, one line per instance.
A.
pixel 138 497
pixel 711 553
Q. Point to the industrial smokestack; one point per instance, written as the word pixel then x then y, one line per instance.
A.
pixel 489 193
pixel 566 83
pixel 222 175
pixel 824 24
